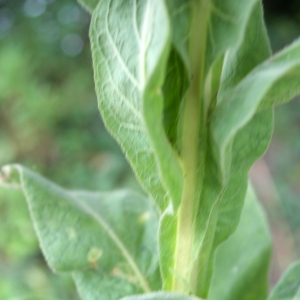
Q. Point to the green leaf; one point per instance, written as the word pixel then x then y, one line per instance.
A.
pixel 226 179
pixel 224 28
pixel 89 5
pixel 242 261
pixel 222 197
pixel 161 296
pixel 251 141
pixel 104 239
pixel 174 88
pixel 288 287
pixel 253 50
pixel 255 90
pixel 287 86
pixel 130 47
pixel 249 144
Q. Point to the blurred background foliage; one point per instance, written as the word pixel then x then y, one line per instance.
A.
pixel 49 121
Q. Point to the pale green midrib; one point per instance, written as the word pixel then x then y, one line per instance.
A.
pixel 144 46
pixel 140 277
pixel 192 124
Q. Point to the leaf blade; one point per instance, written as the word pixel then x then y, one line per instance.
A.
pixel 253 89
pixel 241 261
pixel 128 79
pixel 83 232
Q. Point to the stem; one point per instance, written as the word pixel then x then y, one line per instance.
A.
pixel 193 124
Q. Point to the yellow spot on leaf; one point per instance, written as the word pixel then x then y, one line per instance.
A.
pixel 143 217
pixel 72 233
pixel 118 273
pixel 94 255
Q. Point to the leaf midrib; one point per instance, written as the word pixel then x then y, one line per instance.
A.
pixel 114 237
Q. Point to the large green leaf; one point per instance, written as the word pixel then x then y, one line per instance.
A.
pixel 230 17
pixel 107 240
pixel 130 46
pixel 288 288
pixel 252 140
pixel 161 296
pixel 174 89
pixel 242 262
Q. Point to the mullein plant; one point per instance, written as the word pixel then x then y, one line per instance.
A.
pixel 187 88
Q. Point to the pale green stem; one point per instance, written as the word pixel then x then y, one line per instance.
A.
pixel 191 157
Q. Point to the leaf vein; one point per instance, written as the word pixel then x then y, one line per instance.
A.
pixel 117 53
pixel 142 280
pixel 222 15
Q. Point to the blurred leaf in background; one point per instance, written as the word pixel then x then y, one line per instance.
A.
pixel 50 122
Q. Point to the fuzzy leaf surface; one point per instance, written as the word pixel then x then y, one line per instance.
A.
pixel 229 184
pixel 130 46
pixel 288 287
pixel 85 233
pixel 253 93
pixel 242 261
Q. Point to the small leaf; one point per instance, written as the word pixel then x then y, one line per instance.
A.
pixel 104 239
pixel 161 296
pixel 220 183
pixel 226 26
pixel 288 287
pixel 242 261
